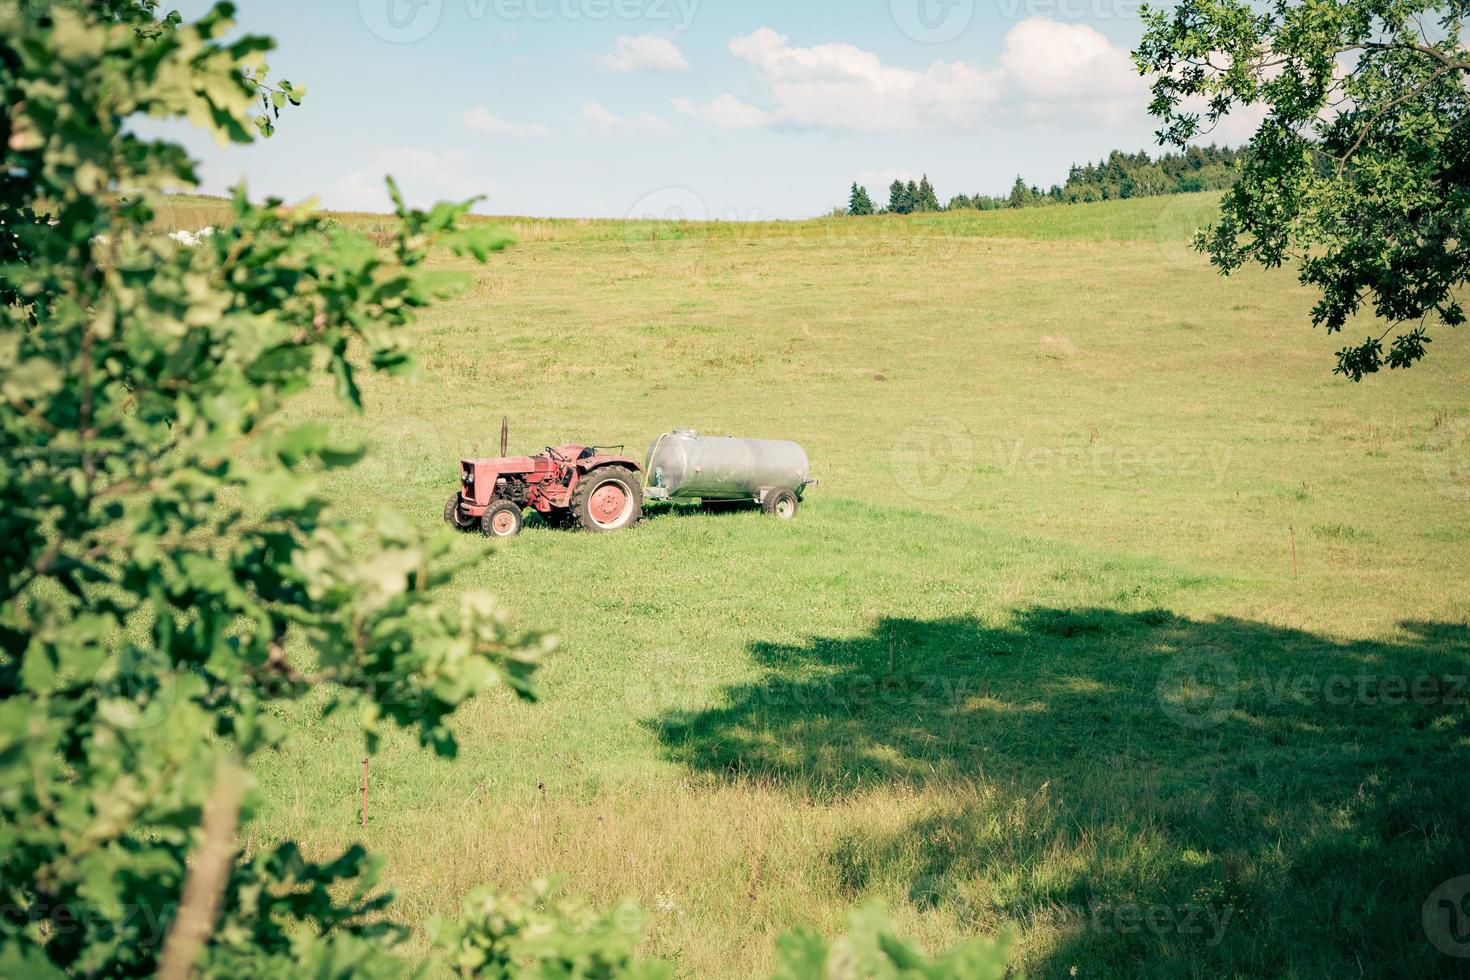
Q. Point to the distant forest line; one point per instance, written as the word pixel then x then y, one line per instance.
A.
pixel 1121 175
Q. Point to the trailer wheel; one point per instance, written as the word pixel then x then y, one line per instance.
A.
pixel 780 503
pixel 453 518
pixel 607 499
pixel 502 520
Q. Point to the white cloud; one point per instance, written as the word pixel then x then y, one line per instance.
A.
pixel 424 176
pixel 646 52
pixel 604 120
pixel 1235 129
pixel 838 86
pixel 482 120
pixel 725 111
pixel 1045 65
pixel 1070 66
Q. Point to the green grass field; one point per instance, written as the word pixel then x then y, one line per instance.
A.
pixel 1094 627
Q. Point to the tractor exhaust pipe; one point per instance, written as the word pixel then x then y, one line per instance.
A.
pixel 504 435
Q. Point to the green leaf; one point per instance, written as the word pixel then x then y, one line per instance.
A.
pixel 479 240
pixel 347 382
pixel 32 379
pixel 314 441
pixel 37 672
pixel 800 955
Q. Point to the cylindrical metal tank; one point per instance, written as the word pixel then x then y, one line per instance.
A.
pixel 687 464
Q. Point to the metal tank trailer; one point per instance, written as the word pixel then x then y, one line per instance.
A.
pixel 598 489
pixel 724 471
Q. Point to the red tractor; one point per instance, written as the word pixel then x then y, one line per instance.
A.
pixel 576 486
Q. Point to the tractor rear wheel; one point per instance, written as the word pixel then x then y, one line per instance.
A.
pixel 454 518
pixel 607 499
pixel 502 519
pixel 780 503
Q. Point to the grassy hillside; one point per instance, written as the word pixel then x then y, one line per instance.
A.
pixel 1059 642
pixel 1145 219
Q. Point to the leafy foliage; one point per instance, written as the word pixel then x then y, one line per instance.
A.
pixel 871 951
pixel 543 936
pixel 540 934
pixel 1358 171
pixel 171 570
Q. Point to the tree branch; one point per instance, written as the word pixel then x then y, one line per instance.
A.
pixel 1389 106
pixel 208 876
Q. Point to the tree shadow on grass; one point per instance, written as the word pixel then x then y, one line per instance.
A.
pixel 1147 795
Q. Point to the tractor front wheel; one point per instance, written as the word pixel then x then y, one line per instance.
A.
pixel 608 499
pixel 454 517
pixel 502 520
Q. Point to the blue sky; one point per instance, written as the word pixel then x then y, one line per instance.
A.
pixel 735 109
